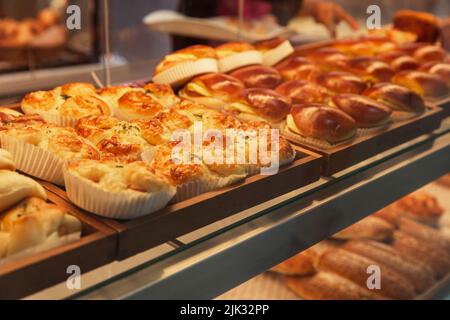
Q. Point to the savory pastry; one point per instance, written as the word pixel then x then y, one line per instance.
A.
pixel 65 104
pixel 131 103
pixel 329 59
pixel 404 62
pixel 437 259
pixel 419 275
pixel 425 25
pixel 15 187
pixel 341 82
pixel 442 70
pixel 429 53
pixel 274 50
pixel 233 55
pixel 425 84
pixel 371 228
pixel 262 105
pixel 179 164
pixel 258 77
pixel 330 286
pixel 367 113
pixel 424 233
pixel 371 69
pixel 297 68
pixel 116 190
pixel 400 99
pixel 320 122
pixel 299 265
pixel 184 64
pixel 354 267
pixel 41 149
pixel 6 161
pixel 215 90
pixel 395 35
pixel 303 92
pixel 33 222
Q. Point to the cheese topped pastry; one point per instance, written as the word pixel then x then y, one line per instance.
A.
pixel 64 104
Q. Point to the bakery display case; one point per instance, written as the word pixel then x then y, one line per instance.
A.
pixel 178 162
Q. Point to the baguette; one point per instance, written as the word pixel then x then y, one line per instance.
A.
pixel 420 275
pixel 424 233
pixel 298 265
pixel 329 286
pixel 354 267
pixel 416 249
pixel 368 228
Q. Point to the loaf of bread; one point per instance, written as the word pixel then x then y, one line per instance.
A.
pixel 420 275
pixel 299 265
pixel 371 227
pixel 355 268
pixel 424 233
pixel 425 25
pixel 437 259
pixel 329 286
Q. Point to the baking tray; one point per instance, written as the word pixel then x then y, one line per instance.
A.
pixel 175 220
pixel 96 247
pixel 347 154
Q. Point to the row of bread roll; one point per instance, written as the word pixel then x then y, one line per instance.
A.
pixel 182 65
pixel 411 255
pixel 27 221
pixel 65 104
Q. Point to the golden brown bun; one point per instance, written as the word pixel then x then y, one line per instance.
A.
pixel 213 89
pixel 33 221
pixel 437 259
pixel 268 44
pixel 399 60
pixel 233 47
pixel 329 59
pixel 425 84
pixel 324 123
pixel 429 54
pixel 258 77
pixel 329 286
pixel 10 111
pixel 371 228
pixel 396 97
pixel 342 82
pixel 288 67
pixel 191 53
pixel 424 233
pixel 445 34
pixel 267 103
pixel 303 92
pixel 299 265
pixel 366 112
pixel 440 69
pixel 424 25
pixel 371 45
pixel 371 69
pixel 419 275
pixel 354 267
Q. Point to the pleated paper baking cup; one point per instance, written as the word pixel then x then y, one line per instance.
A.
pixel 275 55
pixel 57 119
pixel 34 160
pixel 116 205
pixel 296 138
pixel 239 60
pixel 360 132
pixel 184 71
pixel 194 188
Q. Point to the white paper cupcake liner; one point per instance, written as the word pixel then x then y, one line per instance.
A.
pixel 127 205
pixel 239 60
pixel 194 188
pixel 33 160
pixel 57 119
pixel 184 71
pixel 275 55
